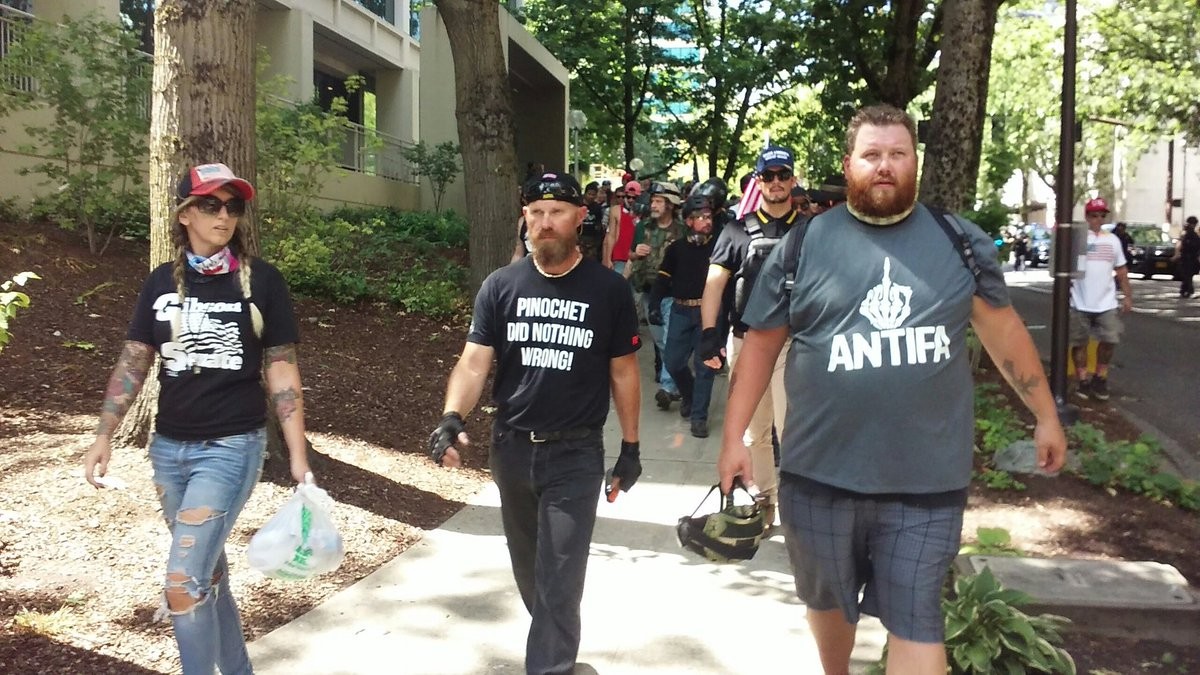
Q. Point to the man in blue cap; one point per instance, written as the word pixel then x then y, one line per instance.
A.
pixel 739 253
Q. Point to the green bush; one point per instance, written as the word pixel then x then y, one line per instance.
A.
pixel 11 211
pixel 372 254
pixel 1133 466
pixel 987 633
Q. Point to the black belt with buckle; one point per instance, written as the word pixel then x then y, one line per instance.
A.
pixel 576 434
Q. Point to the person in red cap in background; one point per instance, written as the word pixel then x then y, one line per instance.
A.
pixel 619 239
pixel 215 316
pixel 1094 303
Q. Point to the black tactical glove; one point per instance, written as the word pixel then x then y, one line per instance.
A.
pixel 654 314
pixel 628 468
pixel 710 345
pixel 445 435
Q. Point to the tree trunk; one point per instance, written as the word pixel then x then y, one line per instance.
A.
pixel 485 130
pixel 202 110
pixel 952 152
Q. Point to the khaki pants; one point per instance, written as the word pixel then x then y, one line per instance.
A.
pixel 771 411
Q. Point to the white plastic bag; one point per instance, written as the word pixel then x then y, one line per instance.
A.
pixel 300 541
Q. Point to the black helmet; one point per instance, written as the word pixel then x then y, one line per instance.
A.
pixel 715 189
pixel 694 203
pixel 733 533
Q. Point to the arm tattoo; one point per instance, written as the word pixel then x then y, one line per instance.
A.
pixel 124 384
pixel 286 403
pixel 282 353
pixel 1022 384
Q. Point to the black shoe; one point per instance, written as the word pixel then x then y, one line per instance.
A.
pixel 663 399
pixel 1099 388
pixel 685 408
pixel 1084 389
pixel 676 396
pixel 700 428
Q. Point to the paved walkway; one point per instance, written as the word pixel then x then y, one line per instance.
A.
pixel 449 606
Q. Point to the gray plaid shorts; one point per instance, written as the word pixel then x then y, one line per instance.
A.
pixel 886 556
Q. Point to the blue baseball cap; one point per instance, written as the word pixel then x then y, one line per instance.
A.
pixel 772 156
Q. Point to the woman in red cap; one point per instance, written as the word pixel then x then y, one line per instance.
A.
pixel 214 315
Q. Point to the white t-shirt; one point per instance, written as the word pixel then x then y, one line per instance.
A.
pixel 1095 290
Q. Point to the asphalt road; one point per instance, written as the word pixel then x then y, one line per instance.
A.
pixel 1155 376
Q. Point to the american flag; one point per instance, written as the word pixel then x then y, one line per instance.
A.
pixel 749 201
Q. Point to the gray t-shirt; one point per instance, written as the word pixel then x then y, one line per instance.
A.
pixel 878 382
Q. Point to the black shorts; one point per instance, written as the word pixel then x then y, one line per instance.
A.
pixel 894 551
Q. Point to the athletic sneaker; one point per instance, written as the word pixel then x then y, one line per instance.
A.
pixel 1099 388
pixel 1084 389
pixel 663 399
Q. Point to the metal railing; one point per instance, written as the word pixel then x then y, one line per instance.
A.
pixel 375 153
pixel 13 24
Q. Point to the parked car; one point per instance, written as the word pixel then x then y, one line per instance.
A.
pixel 1039 247
pixel 1151 251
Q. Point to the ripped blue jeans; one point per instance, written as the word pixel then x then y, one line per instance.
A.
pixel 202 486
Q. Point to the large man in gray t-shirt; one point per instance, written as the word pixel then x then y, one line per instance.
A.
pixel 876 453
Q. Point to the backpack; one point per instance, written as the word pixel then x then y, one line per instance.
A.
pixel 757 250
pixel 954 232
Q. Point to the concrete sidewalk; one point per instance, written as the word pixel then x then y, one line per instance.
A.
pixel 449 606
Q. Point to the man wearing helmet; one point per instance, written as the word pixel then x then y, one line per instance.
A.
pixel 681 277
pixel 650 241
pixel 564 334
pixel 1094 302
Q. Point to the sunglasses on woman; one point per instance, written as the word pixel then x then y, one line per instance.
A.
pixel 210 205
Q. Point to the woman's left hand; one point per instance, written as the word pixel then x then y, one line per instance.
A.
pixel 299 469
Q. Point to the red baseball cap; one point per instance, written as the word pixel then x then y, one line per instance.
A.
pixel 633 188
pixel 1097 205
pixel 205 179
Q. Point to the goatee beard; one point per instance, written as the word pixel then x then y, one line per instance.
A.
pixel 552 252
pixel 768 199
pixel 863 198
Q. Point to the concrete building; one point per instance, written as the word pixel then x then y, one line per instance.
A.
pixel 540 87
pixel 317 44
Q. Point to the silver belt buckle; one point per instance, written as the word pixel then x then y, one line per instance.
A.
pixel 534 438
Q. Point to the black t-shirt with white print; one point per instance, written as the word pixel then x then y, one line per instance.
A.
pixel 211 373
pixel 554 341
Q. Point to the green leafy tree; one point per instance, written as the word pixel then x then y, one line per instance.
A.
pixel 93 85
pixel 299 144
pixel 746 55
pixel 622 69
pixel 439 165
pixel 1149 52
pixel 871 51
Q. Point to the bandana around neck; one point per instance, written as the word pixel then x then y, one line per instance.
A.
pixel 221 262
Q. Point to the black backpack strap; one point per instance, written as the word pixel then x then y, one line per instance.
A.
pixel 958 238
pixel 793 241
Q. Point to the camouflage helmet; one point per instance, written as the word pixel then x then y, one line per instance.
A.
pixel 733 533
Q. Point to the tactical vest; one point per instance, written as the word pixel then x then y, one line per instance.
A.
pixel 757 250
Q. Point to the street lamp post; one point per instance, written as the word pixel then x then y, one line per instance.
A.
pixel 1064 208
pixel 578 121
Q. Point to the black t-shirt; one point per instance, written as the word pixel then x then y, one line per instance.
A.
pixel 684 269
pixel 211 373
pixel 591 232
pixel 554 340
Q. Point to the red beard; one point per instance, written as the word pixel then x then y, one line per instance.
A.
pixel 880 202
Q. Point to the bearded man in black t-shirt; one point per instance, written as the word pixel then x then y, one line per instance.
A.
pixel 563 331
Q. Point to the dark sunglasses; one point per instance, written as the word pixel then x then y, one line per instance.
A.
pixel 234 206
pixel 769 176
